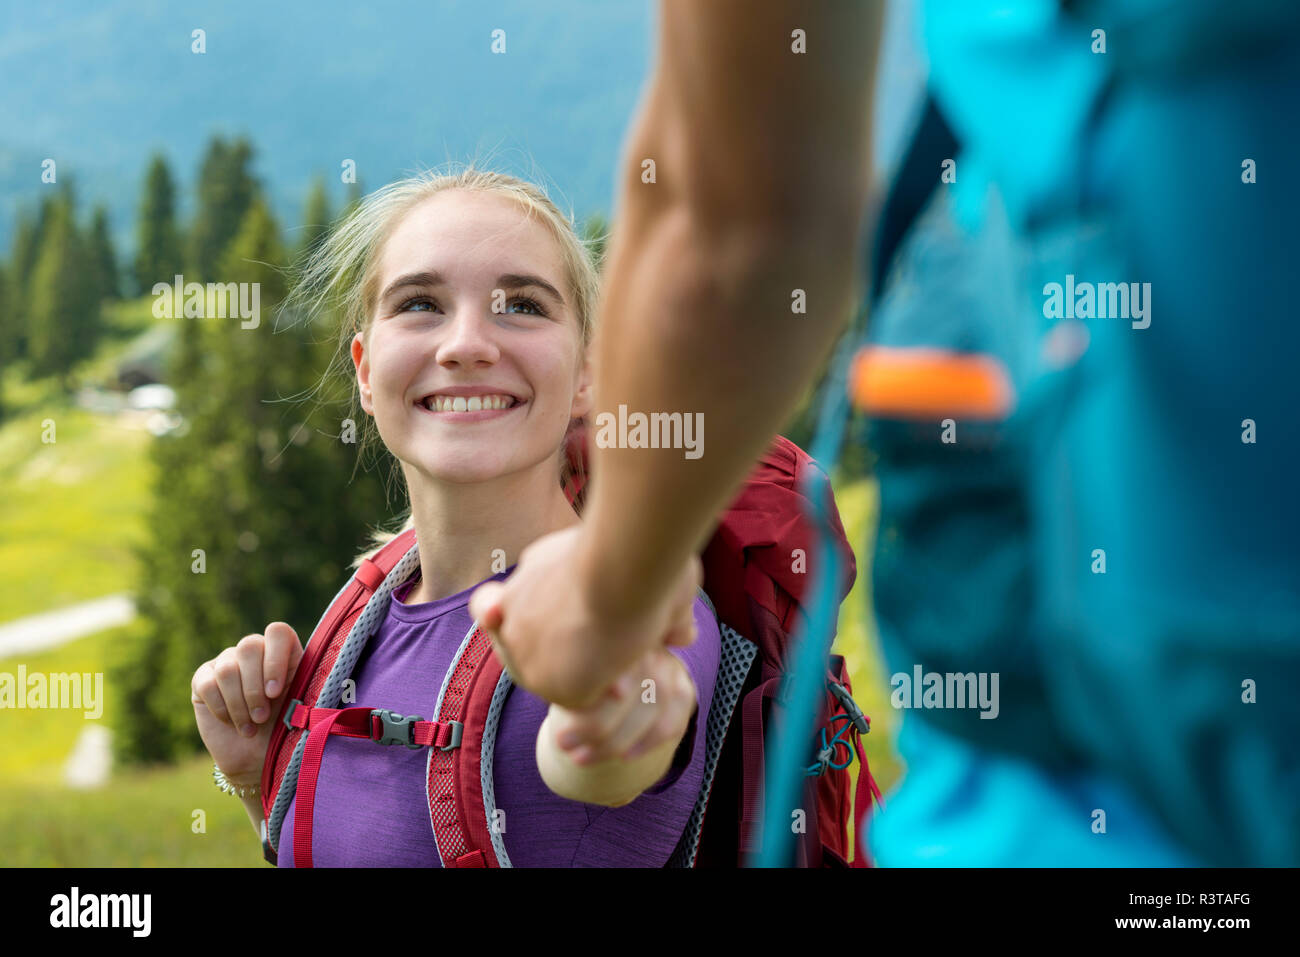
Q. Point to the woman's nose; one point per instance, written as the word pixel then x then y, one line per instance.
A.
pixel 469 340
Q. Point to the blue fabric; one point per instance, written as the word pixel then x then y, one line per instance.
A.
pixel 1130 685
pixel 961 806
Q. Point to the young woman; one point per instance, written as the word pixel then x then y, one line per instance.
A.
pixel 468 302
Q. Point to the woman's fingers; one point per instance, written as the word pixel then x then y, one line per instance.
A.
pixel 580 733
pixel 231 684
pixel 671 722
pixel 651 715
pixel 675 699
pixel 204 690
pixel 640 721
pixel 250 653
pixel 280 661
pixel 681 631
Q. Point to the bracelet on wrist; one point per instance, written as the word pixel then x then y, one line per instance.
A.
pixel 230 787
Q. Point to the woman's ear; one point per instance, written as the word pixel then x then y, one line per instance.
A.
pixel 362 363
pixel 582 401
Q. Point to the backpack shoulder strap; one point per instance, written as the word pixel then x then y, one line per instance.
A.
pixel 283 753
pixel 458 782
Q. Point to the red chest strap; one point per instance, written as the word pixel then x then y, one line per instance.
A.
pixel 377 724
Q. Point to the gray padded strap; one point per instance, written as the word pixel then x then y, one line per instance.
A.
pixel 371 617
pixel 504 685
pixel 737 655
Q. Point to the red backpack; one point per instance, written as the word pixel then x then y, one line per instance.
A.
pixel 753 577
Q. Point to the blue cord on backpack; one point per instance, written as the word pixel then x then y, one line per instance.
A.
pixel 784 764
pixel 827 751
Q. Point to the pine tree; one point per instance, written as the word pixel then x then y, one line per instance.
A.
pixel 28 235
pixel 63 319
pixel 253 482
pixel 158 245
pixel 102 256
pixel 316 219
pixel 352 197
pixel 226 190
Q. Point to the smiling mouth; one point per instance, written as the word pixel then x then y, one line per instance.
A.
pixel 464 405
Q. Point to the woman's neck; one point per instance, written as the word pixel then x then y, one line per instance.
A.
pixel 467 533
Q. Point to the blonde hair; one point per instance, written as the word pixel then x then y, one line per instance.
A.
pixel 341 275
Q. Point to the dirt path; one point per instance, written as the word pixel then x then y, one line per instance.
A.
pixel 53 628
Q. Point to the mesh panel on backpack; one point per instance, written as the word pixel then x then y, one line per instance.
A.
pixel 451 708
pixel 737 657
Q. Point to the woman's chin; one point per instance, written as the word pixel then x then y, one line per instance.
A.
pixel 470 469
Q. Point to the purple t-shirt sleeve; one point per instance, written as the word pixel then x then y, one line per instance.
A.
pixel 645 832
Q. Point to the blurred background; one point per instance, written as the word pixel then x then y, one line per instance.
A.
pixel 128 441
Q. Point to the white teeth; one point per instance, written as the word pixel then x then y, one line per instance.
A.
pixel 476 403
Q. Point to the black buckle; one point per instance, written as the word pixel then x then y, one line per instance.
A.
pixel 396 728
pixel 288 711
pixel 457 732
pixel 268 852
pixel 856 714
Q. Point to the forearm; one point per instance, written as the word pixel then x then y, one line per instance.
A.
pixel 761 179
pixel 253 805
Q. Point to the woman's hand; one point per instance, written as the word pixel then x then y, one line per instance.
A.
pixel 234 698
pixel 609 753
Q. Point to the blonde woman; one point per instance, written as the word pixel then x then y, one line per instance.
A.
pixel 468 302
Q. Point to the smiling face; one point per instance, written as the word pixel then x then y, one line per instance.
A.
pixel 472 364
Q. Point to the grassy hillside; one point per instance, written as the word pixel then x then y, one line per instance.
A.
pixel 70 509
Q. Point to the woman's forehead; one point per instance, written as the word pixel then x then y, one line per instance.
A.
pixel 459 228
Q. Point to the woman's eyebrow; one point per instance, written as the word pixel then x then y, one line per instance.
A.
pixel 515 280
pixel 413 279
pixel 507 280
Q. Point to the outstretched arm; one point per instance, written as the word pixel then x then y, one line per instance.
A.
pixel 761 166
pixel 762 169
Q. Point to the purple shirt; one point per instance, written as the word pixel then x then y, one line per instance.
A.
pixel 371 808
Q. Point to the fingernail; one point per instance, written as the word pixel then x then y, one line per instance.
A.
pixel 272 688
pixel 568 740
pixel 582 755
pixel 248 731
pixel 259 715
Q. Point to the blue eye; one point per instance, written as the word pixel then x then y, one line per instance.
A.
pixel 518 305
pixel 531 303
